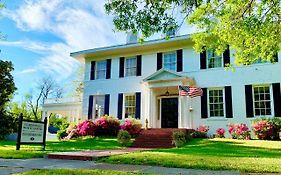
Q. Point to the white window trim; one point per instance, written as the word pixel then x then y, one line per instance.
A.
pixel 94 104
pixel 223 94
pixel 96 70
pixel 207 61
pixel 124 103
pixel 271 100
pixel 163 63
pixel 125 69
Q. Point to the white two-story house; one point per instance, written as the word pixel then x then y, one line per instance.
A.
pixel 141 81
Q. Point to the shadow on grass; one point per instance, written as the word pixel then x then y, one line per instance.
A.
pixel 225 148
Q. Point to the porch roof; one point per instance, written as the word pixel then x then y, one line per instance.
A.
pixel 164 75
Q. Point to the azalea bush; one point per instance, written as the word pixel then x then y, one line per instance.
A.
pixel 239 131
pixel 179 138
pixel 220 133
pixel 201 132
pixel 132 125
pixel 85 128
pixel 263 130
pixel 267 128
pixel 107 126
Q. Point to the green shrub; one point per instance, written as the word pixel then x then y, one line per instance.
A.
pixel 8 124
pixel 56 121
pixel 179 138
pixel 124 138
pixel 63 130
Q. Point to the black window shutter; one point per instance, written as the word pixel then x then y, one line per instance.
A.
pixel 226 56
pixel 121 66
pixel 108 68
pixel 106 104
pixel 204 104
pixel 249 101
pixel 120 106
pixel 139 59
pixel 277 99
pixel 275 57
pixel 179 60
pixel 138 105
pixel 203 60
pixel 90 107
pixel 93 67
pixel 228 102
pixel 159 60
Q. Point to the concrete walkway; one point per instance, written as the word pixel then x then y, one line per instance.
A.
pixel 10 166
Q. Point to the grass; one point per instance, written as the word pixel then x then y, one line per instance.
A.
pixel 8 148
pixel 79 172
pixel 212 154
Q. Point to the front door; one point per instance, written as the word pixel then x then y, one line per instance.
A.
pixel 169 112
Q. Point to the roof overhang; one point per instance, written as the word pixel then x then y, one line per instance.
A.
pixel 132 49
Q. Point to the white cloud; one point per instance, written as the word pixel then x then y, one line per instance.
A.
pixel 27 71
pixel 79 24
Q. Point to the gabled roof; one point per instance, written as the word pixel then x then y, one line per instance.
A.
pixel 163 75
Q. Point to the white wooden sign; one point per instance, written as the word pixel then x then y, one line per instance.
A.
pixel 32 132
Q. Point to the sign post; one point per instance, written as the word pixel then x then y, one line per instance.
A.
pixel 31 132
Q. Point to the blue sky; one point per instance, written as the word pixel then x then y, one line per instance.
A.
pixel 42 33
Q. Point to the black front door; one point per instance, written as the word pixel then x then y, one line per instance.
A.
pixel 169 113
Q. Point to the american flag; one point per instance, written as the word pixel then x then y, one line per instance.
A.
pixel 190 91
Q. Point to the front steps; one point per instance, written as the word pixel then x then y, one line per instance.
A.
pixel 157 138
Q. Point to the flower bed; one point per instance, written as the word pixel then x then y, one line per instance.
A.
pixel 239 131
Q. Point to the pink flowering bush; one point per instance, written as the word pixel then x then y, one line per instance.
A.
pixel 201 132
pixel 263 129
pixel 133 126
pixel 107 125
pixel 220 133
pixel 239 131
pixel 87 127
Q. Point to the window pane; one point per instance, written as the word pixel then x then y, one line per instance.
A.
pixel 130 106
pixel 216 105
pixel 170 61
pixel 130 66
pixel 213 59
pixel 262 101
pixel 101 70
pixel 99 105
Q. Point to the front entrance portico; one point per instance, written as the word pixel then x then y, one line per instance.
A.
pixel 164 107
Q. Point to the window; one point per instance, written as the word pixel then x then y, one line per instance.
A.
pixel 131 66
pixel 99 105
pixel 213 59
pixel 130 106
pixel 101 70
pixel 262 100
pixel 170 61
pixel 216 103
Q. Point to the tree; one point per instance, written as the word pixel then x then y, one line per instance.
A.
pixel 7 88
pixel 251 27
pixel 46 87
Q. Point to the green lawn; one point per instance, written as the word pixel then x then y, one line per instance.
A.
pixel 8 148
pixel 213 154
pixel 79 172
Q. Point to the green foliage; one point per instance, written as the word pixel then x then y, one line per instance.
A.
pixel 250 27
pixel 124 138
pixel 7 88
pixel 55 121
pixel 179 138
pixel 16 109
pixel 63 130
